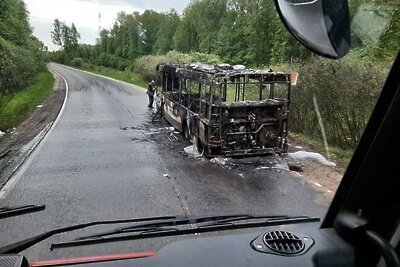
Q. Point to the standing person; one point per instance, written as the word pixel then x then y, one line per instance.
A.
pixel 151 89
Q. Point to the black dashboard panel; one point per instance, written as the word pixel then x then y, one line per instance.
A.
pixel 327 249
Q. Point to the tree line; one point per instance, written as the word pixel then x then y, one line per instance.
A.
pixel 239 32
pixel 245 32
pixel 20 52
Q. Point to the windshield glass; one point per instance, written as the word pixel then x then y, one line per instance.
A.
pixel 127 109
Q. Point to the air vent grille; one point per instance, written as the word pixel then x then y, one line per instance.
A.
pixel 284 242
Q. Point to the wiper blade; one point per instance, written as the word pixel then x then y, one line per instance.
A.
pixel 152 230
pixel 24 244
pixel 179 220
pixel 6 212
pixel 253 217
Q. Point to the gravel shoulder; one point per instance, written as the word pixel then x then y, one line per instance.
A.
pixel 323 178
pixel 16 144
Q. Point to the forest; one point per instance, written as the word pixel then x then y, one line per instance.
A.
pixel 20 52
pixel 24 80
pixel 237 31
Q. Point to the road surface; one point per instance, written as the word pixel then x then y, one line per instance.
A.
pixel 104 159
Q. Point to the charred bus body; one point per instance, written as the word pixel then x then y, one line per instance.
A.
pixel 227 110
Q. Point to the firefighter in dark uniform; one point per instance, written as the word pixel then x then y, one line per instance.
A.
pixel 151 90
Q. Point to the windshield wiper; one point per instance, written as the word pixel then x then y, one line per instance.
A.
pixel 26 243
pixel 197 225
pixel 185 220
pixel 6 212
pixel 157 227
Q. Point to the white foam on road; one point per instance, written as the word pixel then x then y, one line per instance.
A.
pixel 192 151
pixel 299 155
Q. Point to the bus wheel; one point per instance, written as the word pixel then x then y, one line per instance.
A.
pixel 199 146
pixel 185 131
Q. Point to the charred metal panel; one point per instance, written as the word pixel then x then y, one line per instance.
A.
pixel 172 114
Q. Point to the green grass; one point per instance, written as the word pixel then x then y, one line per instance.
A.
pixel 339 155
pixel 22 103
pixel 126 76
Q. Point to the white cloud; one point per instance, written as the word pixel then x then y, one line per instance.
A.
pixel 82 13
pixel 85 14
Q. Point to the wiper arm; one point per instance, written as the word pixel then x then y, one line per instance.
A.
pixel 153 230
pixel 24 244
pixel 6 212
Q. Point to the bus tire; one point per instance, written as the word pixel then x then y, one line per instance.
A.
pixel 186 133
pixel 200 146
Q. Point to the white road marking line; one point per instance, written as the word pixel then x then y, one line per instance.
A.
pixel 21 167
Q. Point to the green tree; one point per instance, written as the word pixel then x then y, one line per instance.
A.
pixel 65 36
pixel 20 51
pixel 56 34
pixel 166 31
pixel 14 24
pixel 75 36
pixel 104 40
pixel 185 38
pixel 198 30
pixel 148 26
pixel 236 33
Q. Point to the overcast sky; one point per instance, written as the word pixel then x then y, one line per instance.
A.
pixel 85 14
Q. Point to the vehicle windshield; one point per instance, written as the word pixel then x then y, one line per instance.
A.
pixel 121 109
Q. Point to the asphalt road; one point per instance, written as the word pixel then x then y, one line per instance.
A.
pixel 104 159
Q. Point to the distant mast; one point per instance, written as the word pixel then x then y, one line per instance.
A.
pixel 98 29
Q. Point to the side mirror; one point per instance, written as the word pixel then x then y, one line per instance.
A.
pixel 323 26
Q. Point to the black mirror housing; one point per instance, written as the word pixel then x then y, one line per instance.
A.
pixel 323 26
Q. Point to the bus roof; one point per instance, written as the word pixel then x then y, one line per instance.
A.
pixel 214 73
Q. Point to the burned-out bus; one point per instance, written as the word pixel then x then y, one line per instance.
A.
pixel 227 110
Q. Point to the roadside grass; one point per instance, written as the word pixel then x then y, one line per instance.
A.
pixel 19 105
pixel 126 76
pixel 340 156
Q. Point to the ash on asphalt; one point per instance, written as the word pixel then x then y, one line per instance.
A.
pixel 173 144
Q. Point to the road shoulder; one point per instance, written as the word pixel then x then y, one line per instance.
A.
pixel 16 145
